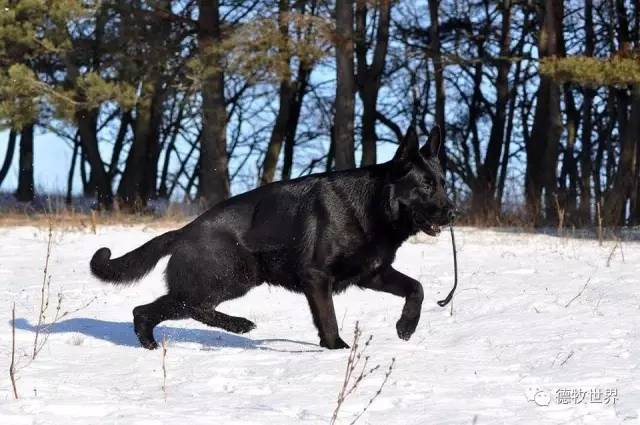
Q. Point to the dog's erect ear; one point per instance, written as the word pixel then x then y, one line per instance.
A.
pixel 432 147
pixel 408 148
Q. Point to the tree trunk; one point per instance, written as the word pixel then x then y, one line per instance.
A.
pixel 507 141
pixel 294 117
pixel 8 158
pixel 25 175
pixel 214 175
pixel 72 170
pixel 604 133
pixel 616 198
pixel 286 94
pixel 369 76
pixel 150 176
pixel 331 153
pixel 83 173
pixel 345 87
pixel 438 69
pixel 278 134
pixel 484 203
pixel 138 183
pixel 87 129
pixel 118 144
pixel 163 190
pixel 542 148
pixel 586 166
pixel 569 163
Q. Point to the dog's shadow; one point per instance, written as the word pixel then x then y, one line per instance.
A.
pixel 121 333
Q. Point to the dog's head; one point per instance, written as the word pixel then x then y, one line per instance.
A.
pixel 415 191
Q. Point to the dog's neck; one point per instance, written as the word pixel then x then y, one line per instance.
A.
pixel 400 226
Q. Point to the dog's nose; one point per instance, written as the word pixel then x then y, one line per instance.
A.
pixel 451 215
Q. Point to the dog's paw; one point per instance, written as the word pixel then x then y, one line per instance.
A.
pixel 144 332
pixel 337 344
pixel 406 328
pixel 149 345
pixel 241 325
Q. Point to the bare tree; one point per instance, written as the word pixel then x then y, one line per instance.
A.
pixel 25 190
pixel 345 87
pixel 542 148
pixel 8 157
pixel 438 70
pixel 213 170
pixel 369 76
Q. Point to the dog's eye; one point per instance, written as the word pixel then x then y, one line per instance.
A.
pixel 430 186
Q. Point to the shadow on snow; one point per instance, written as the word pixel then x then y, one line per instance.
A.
pixel 121 333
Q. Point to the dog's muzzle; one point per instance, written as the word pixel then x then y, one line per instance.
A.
pixel 426 225
pixel 432 227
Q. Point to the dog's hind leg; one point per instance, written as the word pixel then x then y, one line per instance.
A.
pixel 392 281
pixel 146 317
pixel 207 274
pixel 211 317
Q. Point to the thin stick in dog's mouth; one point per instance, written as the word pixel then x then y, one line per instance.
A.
pixel 446 301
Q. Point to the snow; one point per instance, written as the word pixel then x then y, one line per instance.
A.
pixel 524 329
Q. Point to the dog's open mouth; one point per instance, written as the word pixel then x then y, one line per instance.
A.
pixel 426 226
pixel 431 229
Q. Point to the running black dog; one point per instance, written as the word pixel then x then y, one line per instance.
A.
pixel 316 235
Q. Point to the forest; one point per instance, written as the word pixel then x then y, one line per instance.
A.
pixel 196 100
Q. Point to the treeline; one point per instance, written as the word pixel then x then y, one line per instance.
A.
pixel 539 100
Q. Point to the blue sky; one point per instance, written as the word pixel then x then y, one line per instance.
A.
pixel 52 158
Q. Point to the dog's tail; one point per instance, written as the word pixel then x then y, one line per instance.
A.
pixel 134 265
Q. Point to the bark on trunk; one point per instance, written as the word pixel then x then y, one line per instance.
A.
pixel 438 70
pixel 616 198
pixel 25 174
pixel 345 86
pixel 87 129
pixel 286 94
pixel 72 170
pixel 213 170
pixel 294 118
pixel 278 134
pixel 163 190
pixel 586 166
pixel 8 157
pixel 118 144
pixel 569 164
pixel 484 203
pixel 138 183
pixel 542 147
pixel 370 76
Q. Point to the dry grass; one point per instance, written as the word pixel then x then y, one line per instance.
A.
pixel 356 372
pixel 164 365
pixel 12 367
pixel 46 210
pixel 70 220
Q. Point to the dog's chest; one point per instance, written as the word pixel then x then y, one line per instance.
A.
pixel 363 261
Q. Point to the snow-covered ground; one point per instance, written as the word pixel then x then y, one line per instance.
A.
pixel 528 342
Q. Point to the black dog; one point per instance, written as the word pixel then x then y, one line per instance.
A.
pixel 316 235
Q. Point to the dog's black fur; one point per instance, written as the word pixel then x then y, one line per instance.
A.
pixel 316 235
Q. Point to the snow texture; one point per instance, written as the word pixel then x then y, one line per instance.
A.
pixel 528 342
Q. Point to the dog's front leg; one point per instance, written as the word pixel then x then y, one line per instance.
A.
pixel 392 281
pixel 318 293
